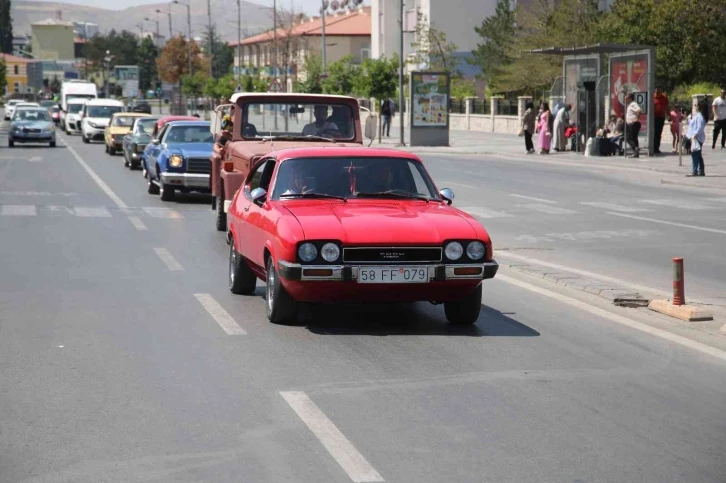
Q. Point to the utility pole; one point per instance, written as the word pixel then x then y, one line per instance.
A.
pixel 322 18
pixel 401 64
pixel 239 42
pixel 168 13
pixel 189 29
pixel 274 40
pixel 211 39
pixel 107 66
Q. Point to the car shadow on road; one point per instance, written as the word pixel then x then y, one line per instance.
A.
pixel 406 319
pixel 193 199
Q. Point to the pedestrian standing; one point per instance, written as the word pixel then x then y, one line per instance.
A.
pixel 697 134
pixel 562 122
pixel 676 119
pixel 543 128
pixel 528 121
pixel 386 113
pixel 660 108
pixel 719 119
pixel 632 124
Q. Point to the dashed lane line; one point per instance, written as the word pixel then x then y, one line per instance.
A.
pixel 225 321
pixel 168 259
pixel 138 224
pixel 19 210
pixel 102 184
pixel 671 223
pixel 340 448
pixel 541 200
pixel 619 319
pixel 548 209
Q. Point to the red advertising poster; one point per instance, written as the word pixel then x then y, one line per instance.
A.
pixel 628 74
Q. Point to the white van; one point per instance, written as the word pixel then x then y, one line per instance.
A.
pixel 95 117
pixel 71 122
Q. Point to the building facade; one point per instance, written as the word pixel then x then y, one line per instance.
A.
pixel 346 34
pixel 16 70
pixel 53 40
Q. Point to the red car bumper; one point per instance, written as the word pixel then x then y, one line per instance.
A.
pixel 340 284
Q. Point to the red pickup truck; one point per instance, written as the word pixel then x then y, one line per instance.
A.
pixel 263 122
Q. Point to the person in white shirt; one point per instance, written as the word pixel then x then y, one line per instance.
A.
pixel 320 127
pixel 632 124
pixel 719 119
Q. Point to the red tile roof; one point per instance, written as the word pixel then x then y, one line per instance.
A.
pixel 14 59
pixel 354 23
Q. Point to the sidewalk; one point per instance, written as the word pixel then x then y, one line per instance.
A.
pixel 510 146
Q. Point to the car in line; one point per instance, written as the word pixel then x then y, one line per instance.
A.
pixel 141 106
pixel 119 126
pixel 156 131
pixel 71 119
pixel 54 114
pixel 48 103
pixel 10 108
pixel 178 159
pixel 31 125
pixel 95 117
pixel 342 224
pixel 135 142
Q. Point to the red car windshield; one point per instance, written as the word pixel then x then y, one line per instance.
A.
pixel 379 177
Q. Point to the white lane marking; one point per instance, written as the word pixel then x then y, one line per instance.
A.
pixel 339 447
pixel 114 197
pixel 452 183
pixel 483 212
pixel 549 210
pixel 677 339
pixel 92 212
pixel 662 222
pixel 35 193
pixel 681 204
pixel 161 213
pixel 19 210
pixel 585 236
pixel 35 159
pixel 225 321
pixel 614 207
pixel 138 224
pixel 720 200
pixel 168 259
pixel 541 200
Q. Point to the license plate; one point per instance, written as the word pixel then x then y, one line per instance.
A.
pixel 393 274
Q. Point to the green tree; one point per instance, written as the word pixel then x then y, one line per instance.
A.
pixel 124 47
pixel 222 88
pixel 148 52
pixel 173 63
pixel 223 54
pixel 683 32
pixel 341 77
pixel 194 85
pixel 432 50
pixel 497 33
pixel 378 78
pixel 313 69
pixel 248 84
pixel 3 75
pixel 6 28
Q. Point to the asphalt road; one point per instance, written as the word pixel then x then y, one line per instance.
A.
pixel 621 224
pixel 124 357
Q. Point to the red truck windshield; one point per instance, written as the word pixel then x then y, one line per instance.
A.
pixel 333 121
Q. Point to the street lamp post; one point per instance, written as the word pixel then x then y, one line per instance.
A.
pixel 189 30
pixel 322 17
pixel 107 65
pixel 239 42
pixel 156 40
pixel 401 65
pixel 168 13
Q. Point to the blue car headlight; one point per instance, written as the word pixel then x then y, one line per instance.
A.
pixel 176 161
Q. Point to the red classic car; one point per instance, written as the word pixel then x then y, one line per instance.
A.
pixel 352 224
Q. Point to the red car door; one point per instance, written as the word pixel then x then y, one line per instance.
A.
pixel 253 214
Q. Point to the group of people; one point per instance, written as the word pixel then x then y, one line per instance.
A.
pixel 551 131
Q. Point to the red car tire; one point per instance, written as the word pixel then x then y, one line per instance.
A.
pixel 281 307
pixel 242 280
pixel 464 311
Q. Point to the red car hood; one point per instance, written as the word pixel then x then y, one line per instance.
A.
pixel 381 222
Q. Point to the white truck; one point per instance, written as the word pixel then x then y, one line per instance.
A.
pixel 75 89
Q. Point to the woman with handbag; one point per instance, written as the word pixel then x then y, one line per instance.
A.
pixel 527 129
pixel 697 135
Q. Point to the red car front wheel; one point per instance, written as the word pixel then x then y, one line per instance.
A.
pixel 281 307
pixel 464 311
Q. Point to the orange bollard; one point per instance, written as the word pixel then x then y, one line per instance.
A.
pixel 679 290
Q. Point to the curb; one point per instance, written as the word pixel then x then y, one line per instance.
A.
pixel 619 296
pixel 689 313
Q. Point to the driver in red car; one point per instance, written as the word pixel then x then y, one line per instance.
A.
pixel 321 126
pixel 296 181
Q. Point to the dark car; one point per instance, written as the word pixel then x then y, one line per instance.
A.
pixel 135 142
pixel 141 106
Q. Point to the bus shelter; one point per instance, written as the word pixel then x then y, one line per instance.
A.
pixel 595 95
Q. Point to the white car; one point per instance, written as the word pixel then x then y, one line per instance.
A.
pixel 10 108
pixel 71 120
pixel 95 117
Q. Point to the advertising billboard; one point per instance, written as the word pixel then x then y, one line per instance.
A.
pixel 430 99
pixel 629 73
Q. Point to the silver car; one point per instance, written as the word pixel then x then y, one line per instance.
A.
pixel 31 125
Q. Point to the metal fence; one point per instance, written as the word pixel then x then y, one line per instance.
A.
pixel 481 106
pixel 507 107
pixel 457 106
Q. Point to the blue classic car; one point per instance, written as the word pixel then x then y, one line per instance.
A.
pixel 178 159
pixel 31 125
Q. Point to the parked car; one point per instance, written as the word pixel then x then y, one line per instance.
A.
pixel 141 106
pixel 31 125
pixel 158 127
pixel 119 126
pixel 178 159
pixel 343 224
pixel 71 119
pixel 95 117
pixel 135 142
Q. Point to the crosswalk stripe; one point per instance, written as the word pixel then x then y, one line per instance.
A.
pixel 19 210
pixel 484 213
pixel 92 212
pixel 548 209
pixel 681 204
pixel 614 207
pixel 161 212
pixel 532 198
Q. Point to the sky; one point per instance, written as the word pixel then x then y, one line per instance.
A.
pixel 310 7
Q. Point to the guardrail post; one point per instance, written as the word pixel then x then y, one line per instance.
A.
pixel 679 291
